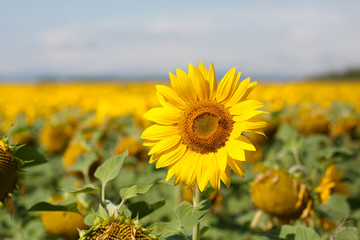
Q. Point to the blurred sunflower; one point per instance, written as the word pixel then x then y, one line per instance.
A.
pixel 64 224
pixel 331 183
pixel 198 130
pixel 133 145
pixel 281 195
pixel 56 137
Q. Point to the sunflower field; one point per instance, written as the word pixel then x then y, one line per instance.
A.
pixel 80 161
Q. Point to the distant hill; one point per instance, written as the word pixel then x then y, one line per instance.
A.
pixel 350 74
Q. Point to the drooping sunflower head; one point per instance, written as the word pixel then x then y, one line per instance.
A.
pixel 280 194
pixel 331 183
pixel 119 228
pixel 198 131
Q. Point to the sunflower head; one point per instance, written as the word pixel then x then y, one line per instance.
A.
pixel 72 152
pixel 8 171
pixel 279 194
pixel 64 224
pixel 198 131
pixel 331 183
pixel 118 228
pixel 133 145
pixel 56 137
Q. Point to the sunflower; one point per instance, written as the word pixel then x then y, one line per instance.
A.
pixel 198 131
pixel 331 183
pixel 281 195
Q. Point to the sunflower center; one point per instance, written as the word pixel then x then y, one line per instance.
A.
pixel 205 126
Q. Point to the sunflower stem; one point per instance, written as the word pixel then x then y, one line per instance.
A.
pixel 196 200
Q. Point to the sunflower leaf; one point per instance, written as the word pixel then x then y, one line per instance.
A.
pixel 45 206
pixel 297 232
pixel 109 170
pixel 189 215
pixel 30 156
pixel 83 163
pixel 87 189
pixel 142 208
pixel 133 191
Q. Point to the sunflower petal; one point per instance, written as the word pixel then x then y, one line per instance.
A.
pixel 159 132
pixel 245 107
pixel 248 115
pixel 250 87
pixel 237 167
pixel 202 173
pixel 171 157
pixel 238 93
pixel 221 158
pixel 227 85
pixel 200 84
pixel 225 177
pixel 165 144
pixel 212 81
pixel 171 96
pixel 163 115
pixel 235 149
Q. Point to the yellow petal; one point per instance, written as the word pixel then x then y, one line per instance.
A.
pixel 245 107
pixel 212 81
pixel 171 96
pixel 248 115
pixel 202 172
pixel 235 149
pixel 227 85
pixel 221 158
pixel 203 70
pixel 162 115
pixel 159 132
pixel 226 177
pixel 171 157
pixel 251 125
pixel 250 87
pixel 165 144
pixel 237 167
pixel 239 92
pixel 200 84
pixel 214 174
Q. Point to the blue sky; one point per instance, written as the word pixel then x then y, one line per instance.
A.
pixel 150 38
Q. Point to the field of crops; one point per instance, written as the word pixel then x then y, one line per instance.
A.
pixel 304 183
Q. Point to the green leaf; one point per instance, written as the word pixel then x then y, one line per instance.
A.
pixel 133 191
pixel 101 212
pixel 143 209
pixel 45 206
pixel 189 215
pixel 30 156
pixel 83 163
pixel 110 168
pixel 89 219
pixel 165 229
pixel 87 189
pixel 336 208
pixel 287 232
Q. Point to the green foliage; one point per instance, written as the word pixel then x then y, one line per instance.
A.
pixel 29 156
pixel 292 233
pixel 190 215
pixel 110 168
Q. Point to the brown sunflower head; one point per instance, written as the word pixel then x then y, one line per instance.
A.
pixel 8 173
pixel 119 228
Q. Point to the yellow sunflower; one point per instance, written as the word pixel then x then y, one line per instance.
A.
pixel 198 131
pixel 331 183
